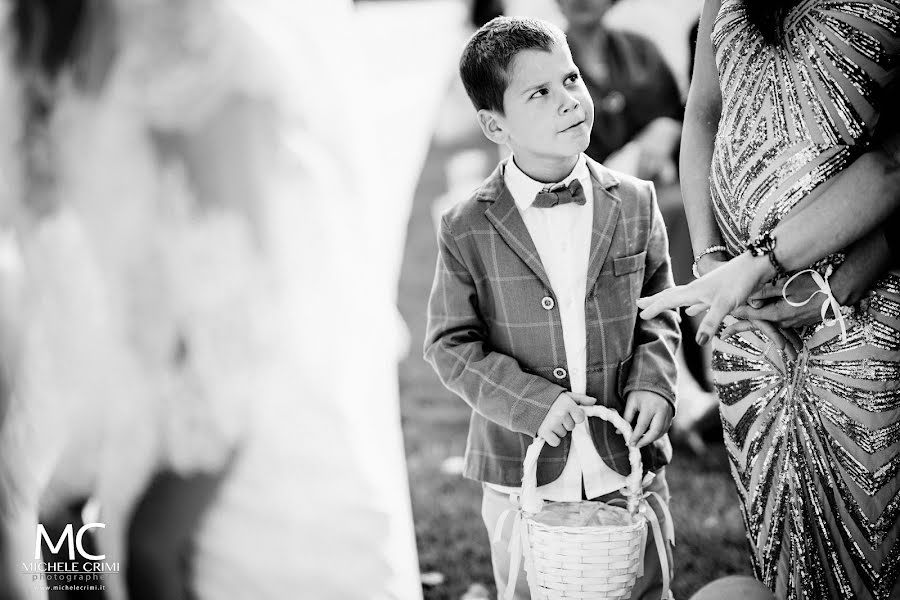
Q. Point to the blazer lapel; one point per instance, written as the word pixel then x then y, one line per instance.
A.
pixel 504 216
pixel 606 213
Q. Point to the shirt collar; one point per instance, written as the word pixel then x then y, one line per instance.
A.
pixel 524 189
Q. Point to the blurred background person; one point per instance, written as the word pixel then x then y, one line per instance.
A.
pixel 638 101
pixel 666 22
pixel 90 330
pixel 191 222
pixel 318 489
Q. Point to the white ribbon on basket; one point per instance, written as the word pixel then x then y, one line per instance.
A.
pixel 829 302
pixel 516 547
pixel 646 511
pixel 531 503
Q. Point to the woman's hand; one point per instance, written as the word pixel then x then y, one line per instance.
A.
pixel 783 339
pixel 720 291
pixel 769 305
pixel 768 312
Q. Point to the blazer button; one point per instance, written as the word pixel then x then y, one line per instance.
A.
pixel 547 302
pixel 559 373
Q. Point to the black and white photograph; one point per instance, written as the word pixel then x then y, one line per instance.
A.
pixel 449 299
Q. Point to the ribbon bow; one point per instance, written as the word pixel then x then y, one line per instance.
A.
pixel 560 194
pixel 829 302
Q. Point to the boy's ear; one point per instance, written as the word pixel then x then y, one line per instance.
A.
pixel 492 125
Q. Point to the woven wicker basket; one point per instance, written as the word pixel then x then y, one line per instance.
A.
pixel 596 562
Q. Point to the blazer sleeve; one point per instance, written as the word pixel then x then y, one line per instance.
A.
pixel 457 346
pixel 656 340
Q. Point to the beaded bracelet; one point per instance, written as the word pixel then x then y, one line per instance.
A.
pixel 695 268
pixel 765 245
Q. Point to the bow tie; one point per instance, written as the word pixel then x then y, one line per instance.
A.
pixel 560 194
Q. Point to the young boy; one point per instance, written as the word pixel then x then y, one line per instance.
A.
pixel 533 311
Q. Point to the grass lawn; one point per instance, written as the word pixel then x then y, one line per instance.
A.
pixel 449 532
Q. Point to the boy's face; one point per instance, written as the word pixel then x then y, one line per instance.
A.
pixel 548 112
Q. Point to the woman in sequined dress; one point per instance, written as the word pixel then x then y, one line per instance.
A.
pixel 788 136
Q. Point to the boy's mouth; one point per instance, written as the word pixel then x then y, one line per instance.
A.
pixel 573 126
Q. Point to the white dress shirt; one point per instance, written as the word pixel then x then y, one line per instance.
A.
pixel 562 237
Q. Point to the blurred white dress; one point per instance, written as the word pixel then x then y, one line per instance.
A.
pixel 258 336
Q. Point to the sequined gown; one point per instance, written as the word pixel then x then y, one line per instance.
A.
pixel 813 442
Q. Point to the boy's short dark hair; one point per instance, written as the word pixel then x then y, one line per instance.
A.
pixel 484 65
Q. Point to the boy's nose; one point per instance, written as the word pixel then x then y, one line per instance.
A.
pixel 569 103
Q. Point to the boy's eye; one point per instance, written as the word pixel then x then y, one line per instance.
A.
pixel 540 92
pixel 573 78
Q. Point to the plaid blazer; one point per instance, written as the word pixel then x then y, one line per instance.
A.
pixel 495 338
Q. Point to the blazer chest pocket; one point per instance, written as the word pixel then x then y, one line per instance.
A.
pixel 629 264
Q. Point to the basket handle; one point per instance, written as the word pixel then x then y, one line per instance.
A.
pixel 531 502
